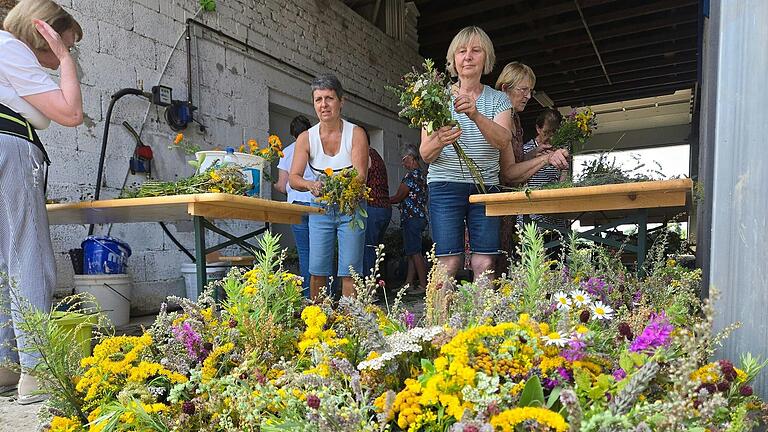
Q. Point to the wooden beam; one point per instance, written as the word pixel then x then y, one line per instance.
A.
pixel 625 86
pixel 575 46
pixel 635 76
pixel 690 6
pixel 461 12
pixel 548 74
pixel 505 21
pixel 622 95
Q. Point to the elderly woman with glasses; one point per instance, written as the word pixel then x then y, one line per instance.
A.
pixel 483 115
pixel 333 143
pixel 412 197
pixel 38 35
pixel 517 81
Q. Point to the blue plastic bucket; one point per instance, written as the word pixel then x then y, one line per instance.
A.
pixel 104 255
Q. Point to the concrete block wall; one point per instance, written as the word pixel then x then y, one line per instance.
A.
pixel 276 47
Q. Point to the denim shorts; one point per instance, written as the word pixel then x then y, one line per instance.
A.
pixel 324 231
pixel 412 228
pixel 450 211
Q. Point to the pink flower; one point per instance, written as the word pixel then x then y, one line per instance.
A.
pixel 655 334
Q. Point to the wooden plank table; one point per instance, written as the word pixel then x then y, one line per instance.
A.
pixel 201 209
pixel 604 207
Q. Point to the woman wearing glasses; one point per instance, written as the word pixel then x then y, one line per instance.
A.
pixel 38 34
pixel 517 81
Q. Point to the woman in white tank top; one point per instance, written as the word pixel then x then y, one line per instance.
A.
pixel 337 144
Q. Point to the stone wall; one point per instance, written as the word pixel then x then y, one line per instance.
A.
pixel 251 63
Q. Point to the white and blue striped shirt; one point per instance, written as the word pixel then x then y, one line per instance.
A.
pixel 447 167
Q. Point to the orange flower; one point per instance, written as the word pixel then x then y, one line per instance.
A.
pixel 178 139
pixel 280 153
pixel 242 148
pixel 264 151
pixel 274 141
pixel 328 171
pixel 252 144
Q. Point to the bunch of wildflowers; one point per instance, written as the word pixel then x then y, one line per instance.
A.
pixel 425 101
pixel 345 192
pixel 575 129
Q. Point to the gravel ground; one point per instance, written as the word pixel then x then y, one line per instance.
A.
pixel 17 418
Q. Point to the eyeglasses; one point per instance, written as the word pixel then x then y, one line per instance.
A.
pixel 525 91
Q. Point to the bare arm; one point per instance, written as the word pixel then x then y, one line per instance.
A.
pixel 400 195
pixel 64 106
pixel 299 164
pixel 360 156
pixel 494 131
pixel 282 181
pixel 519 172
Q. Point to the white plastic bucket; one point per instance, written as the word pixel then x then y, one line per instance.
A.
pixel 252 167
pixel 245 160
pixel 112 293
pixel 215 271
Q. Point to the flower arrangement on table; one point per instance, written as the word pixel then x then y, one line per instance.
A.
pixel 575 129
pixel 218 179
pixel 425 101
pixel 271 153
pixel 584 346
pixel 344 191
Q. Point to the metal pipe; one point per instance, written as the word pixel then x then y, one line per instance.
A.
pixel 189 62
pixel 592 40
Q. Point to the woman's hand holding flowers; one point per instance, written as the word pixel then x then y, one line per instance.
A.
pixel 447 135
pixel 466 104
pixel 316 188
pixel 558 159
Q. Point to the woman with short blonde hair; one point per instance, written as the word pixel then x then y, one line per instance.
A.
pixel 461 40
pixel 38 34
pixel 483 115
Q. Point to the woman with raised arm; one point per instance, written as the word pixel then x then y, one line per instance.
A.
pixel 38 34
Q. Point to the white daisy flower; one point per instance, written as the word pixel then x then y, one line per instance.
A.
pixel 556 338
pixel 580 297
pixel 601 311
pixel 562 301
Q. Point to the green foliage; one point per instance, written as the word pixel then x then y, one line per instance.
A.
pixel 535 265
pixel 208 5
pixel 53 344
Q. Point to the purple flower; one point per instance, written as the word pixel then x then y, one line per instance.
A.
pixel 566 274
pixel 597 287
pixel 655 334
pixel 564 374
pixel 575 350
pixel 619 374
pixel 409 319
pixel 192 341
pixel 549 384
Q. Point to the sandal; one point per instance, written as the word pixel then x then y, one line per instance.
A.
pixel 32 399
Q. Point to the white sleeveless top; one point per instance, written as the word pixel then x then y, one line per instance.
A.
pixel 319 161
